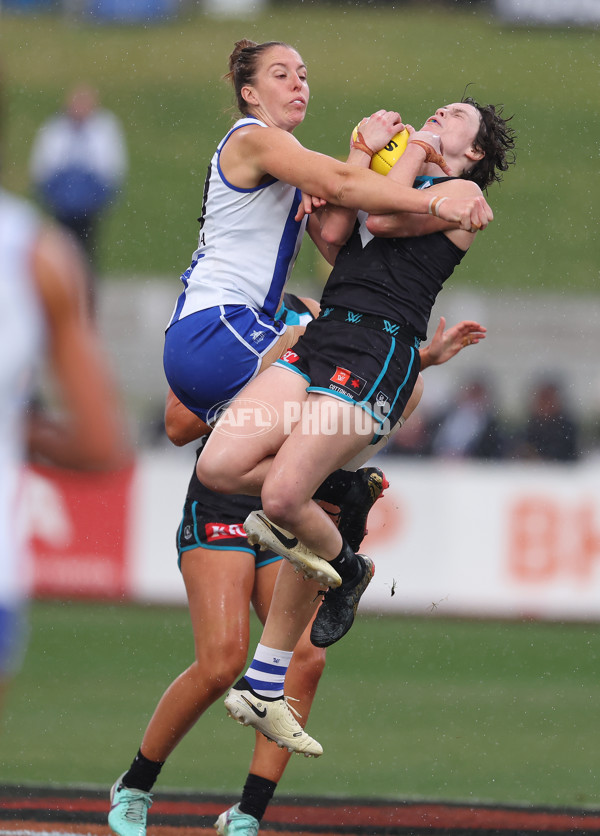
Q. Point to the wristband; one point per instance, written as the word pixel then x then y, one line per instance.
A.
pixel 431 155
pixel 434 205
pixel 359 142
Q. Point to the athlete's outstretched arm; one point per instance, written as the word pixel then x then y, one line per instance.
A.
pixel 92 433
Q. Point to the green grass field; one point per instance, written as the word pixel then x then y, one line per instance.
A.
pixel 164 81
pixel 408 708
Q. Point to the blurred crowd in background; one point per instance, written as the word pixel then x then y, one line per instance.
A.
pixel 471 426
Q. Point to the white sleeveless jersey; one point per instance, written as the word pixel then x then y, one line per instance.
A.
pixel 22 335
pixel 247 245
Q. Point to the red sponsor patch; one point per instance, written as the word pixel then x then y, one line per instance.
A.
pixel 348 380
pixel 219 531
pixel 341 376
pixel 290 356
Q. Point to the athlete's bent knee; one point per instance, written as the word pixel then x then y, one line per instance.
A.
pixel 218 678
pixel 280 504
pixel 216 472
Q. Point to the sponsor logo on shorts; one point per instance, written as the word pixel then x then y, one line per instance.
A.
pixel 219 531
pixel 339 389
pixel 257 336
pixel 349 380
pixel 382 403
pixel 290 356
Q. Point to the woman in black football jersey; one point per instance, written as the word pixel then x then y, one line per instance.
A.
pixel 363 351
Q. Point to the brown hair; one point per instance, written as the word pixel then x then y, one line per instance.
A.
pixel 243 63
pixel 496 138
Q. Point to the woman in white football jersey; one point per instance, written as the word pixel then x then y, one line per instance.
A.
pixel 222 331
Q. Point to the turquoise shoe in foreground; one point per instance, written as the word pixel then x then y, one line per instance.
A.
pixel 234 823
pixel 128 810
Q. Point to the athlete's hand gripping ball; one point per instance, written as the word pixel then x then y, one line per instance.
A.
pixel 383 136
pixel 372 135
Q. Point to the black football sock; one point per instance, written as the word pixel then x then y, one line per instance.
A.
pixel 256 795
pixel 336 486
pixel 142 773
pixel 346 564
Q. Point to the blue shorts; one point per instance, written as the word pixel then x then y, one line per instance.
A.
pixel 14 633
pixel 210 355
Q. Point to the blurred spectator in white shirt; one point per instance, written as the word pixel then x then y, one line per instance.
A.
pixel 78 166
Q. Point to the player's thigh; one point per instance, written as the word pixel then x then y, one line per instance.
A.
pixel 327 437
pixel 219 588
pixel 258 421
pixel 413 401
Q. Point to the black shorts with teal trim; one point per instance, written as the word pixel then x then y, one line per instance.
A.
pixel 367 367
pixel 215 521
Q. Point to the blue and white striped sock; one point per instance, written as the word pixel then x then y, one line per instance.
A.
pixel 267 671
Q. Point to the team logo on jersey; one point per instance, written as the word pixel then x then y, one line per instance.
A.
pixel 290 356
pixel 348 380
pixel 219 531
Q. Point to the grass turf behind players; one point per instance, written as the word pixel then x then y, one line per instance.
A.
pixel 427 707
pixel 164 81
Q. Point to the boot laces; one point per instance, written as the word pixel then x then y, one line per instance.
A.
pixel 291 707
pixel 136 808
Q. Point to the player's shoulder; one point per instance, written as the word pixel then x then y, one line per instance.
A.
pixel 455 187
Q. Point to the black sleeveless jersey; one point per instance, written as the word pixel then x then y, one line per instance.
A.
pixel 397 278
